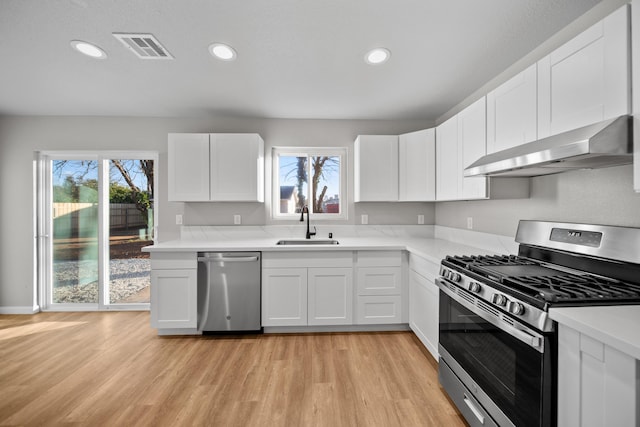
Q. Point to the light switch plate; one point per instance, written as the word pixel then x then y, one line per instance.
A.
pixel 179 219
pixel 237 219
pixel 420 219
pixel 470 223
pixel 364 219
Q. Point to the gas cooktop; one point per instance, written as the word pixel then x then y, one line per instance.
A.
pixel 547 282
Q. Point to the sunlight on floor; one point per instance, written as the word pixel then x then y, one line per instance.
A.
pixel 18 331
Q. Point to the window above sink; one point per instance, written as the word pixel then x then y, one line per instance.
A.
pixel 313 177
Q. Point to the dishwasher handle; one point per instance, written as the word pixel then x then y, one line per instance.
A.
pixel 228 259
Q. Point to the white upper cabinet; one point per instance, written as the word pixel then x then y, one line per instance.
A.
pixel 472 141
pixel 448 174
pixel 417 165
pixel 460 141
pixel 237 167
pixel 511 112
pixel 376 168
pixel 587 79
pixel 215 167
pixel 188 167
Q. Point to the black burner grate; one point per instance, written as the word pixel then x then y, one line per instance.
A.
pixel 572 287
pixel 546 283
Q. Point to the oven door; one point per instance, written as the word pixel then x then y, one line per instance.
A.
pixel 507 366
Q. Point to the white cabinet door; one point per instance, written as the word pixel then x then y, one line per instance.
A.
pixel 472 140
pixel 512 112
pixel 597 384
pixel 284 297
pixel 174 299
pixel 447 165
pixel 188 167
pixel 417 166
pixel 423 311
pixel 330 296
pixel 376 168
pixel 587 79
pixel 237 167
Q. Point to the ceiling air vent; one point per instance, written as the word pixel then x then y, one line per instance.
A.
pixel 145 46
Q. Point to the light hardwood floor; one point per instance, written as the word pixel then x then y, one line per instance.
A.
pixel 103 369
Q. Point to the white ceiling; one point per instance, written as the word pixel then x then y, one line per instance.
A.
pixel 296 58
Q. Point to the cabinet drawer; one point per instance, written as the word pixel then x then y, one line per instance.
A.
pixel 379 281
pixel 375 309
pixel 379 258
pixel 173 260
pixel 302 259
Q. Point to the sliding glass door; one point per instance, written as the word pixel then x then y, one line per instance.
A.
pixel 97 213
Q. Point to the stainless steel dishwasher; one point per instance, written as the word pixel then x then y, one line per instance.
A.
pixel 229 291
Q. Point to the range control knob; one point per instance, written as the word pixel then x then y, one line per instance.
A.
pixel 516 308
pixel 451 275
pixel 474 287
pixel 499 299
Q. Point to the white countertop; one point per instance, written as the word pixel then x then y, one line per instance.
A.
pixel 220 239
pixel 615 326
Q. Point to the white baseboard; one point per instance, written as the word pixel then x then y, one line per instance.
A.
pixel 19 310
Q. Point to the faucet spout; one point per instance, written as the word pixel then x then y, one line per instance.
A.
pixel 309 232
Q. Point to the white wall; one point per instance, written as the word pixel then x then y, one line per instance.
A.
pixel 20 137
pixel 600 196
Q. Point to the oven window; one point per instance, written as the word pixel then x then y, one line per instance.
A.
pixel 508 370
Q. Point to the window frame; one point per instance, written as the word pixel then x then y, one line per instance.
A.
pixel 309 152
pixel 43 225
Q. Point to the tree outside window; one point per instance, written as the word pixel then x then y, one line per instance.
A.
pixel 314 178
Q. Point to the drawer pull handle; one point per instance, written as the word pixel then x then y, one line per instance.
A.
pixel 474 409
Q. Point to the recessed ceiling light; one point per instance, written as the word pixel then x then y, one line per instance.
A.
pixel 223 51
pixel 377 56
pixel 88 49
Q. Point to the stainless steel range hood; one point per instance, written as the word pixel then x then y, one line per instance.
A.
pixel 604 144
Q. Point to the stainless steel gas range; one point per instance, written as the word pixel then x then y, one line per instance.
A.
pixel 498 347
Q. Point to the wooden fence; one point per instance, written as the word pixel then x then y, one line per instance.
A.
pixel 81 219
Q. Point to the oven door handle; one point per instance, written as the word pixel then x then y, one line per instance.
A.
pixel 507 326
pixel 526 337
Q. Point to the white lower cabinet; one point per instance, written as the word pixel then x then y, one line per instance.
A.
pixel 174 291
pixel 597 384
pixel 330 296
pixel 307 288
pixel 424 301
pixel 284 296
pixel 380 288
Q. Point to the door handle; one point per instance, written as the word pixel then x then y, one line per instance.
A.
pixel 473 408
pixel 228 259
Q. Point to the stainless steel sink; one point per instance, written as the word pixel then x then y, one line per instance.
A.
pixel 307 242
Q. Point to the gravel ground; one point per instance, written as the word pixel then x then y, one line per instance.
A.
pixel 128 277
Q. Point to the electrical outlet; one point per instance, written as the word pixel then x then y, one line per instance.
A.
pixel 364 219
pixel 470 223
pixel 179 219
pixel 237 219
pixel 420 219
